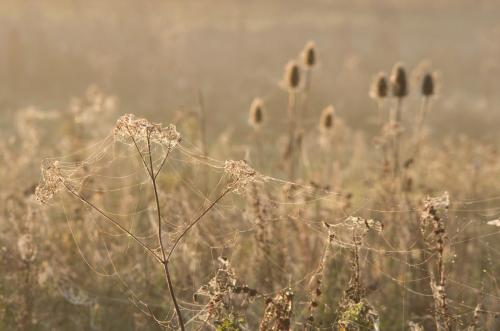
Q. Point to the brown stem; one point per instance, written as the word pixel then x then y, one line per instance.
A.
pixel 420 124
pixel 397 120
pixel 160 239
pixel 307 88
pixel 115 223
pixel 291 135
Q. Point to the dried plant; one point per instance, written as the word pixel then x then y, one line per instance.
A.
pixel 278 312
pixel 292 82
pixel 399 83
pixel 226 296
pixel 434 232
pixel 327 119
pixel 380 87
pixel 135 221
pixel 256 117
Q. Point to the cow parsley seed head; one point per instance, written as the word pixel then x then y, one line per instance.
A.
pixel 241 173
pixel 139 129
pixel 51 182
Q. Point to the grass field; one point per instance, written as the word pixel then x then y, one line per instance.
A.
pixel 238 165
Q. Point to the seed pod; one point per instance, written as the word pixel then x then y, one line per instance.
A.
pixel 292 75
pixel 399 82
pixel 380 87
pixel 428 85
pixel 256 113
pixel 309 55
pixel 327 119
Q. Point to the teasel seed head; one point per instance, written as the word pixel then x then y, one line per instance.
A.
pixel 380 87
pixel 327 119
pixel 256 117
pixel 428 85
pixel 309 55
pixel 399 81
pixel 292 76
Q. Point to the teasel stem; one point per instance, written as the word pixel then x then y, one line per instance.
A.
pixel 424 107
pixel 258 156
pixel 203 134
pixel 307 88
pixel 397 116
pixel 309 62
pixel 256 118
pixel 379 91
pixel 383 118
pixel 291 134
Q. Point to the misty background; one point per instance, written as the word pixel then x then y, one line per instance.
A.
pixel 156 55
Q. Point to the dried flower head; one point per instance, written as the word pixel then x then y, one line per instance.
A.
pixel 278 312
pixel 139 129
pixel 364 224
pixel 240 173
pixel 224 291
pixel 309 55
pixel 292 76
pixel 428 85
pixel 256 113
pixel 327 119
pixel 51 182
pixel 380 87
pixel 432 225
pixel 439 202
pixel 399 81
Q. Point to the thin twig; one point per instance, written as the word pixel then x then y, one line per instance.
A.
pixel 114 222
pixel 229 189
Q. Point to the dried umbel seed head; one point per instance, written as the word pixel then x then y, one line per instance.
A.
pixel 428 85
pixel 51 182
pixel 327 119
pixel 292 76
pixel 309 55
pixel 256 113
pixel 380 87
pixel 399 81
pixel 240 173
pixel 139 129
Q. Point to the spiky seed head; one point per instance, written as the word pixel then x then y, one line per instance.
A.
pixel 428 85
pixel 292 75
pixel 256 113
pixel 399 82
pixel 327 119
pixel 309 55
pixel 380 87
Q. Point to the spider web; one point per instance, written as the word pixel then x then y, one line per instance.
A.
pixel 111 175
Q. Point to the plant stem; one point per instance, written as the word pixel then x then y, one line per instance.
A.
pixel 420 124
pixel 397 121
pixel 291 136
pixel 153 176
pixel 114 222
